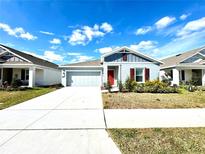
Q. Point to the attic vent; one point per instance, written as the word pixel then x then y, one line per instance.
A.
pixel 178 55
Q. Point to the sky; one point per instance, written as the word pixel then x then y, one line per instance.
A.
pixel 68 31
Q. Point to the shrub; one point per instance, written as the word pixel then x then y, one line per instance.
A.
pixel 108 86
pixel 121 87
pixel 155 86
pixel 130 85
pixel 140 88
pixel 16 83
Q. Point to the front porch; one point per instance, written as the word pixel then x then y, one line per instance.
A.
pixel 27 75
pixel 195 76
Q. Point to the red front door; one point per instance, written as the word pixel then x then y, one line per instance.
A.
pixel 111 76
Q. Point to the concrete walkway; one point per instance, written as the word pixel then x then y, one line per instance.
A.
pixel 154 118
pixel 69 120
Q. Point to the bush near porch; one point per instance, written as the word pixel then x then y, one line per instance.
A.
pixel 10 98
pixel 154 86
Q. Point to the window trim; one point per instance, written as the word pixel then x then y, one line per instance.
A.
pixel 26 74
pixel 143 74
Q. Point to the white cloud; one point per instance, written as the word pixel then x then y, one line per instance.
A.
pixel 184 16
pixel 52 56
pixel 177 45
pixel 192 26
pixel 77 37
pixel 106 27
pixel 81 59
pixel 47 55
pixel 164 22
pixel 55 41
pixel 27 36
pixel 104 50
pixel 17 32
pixel 144 45
pixel 143 30
pixel 54 47
pixel 86 34
pixel 73 54
pixel 46 33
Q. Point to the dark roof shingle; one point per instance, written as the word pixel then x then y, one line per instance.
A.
pixel 33 59
pixel 175 60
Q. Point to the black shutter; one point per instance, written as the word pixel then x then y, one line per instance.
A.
pixel 22 74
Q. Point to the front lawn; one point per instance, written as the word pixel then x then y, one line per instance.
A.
pixel 154 100
pixel 159 140
pixel 10 98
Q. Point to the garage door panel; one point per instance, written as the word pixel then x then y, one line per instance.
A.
pixel 83 79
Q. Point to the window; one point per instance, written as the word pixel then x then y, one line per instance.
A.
pixel 27 74
pixel 139 74
pixel 24 74
pixel 183 75
pixel 124 57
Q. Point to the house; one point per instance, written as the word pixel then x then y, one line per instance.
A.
pixel 114 66
pixel 185 67
pixel 31 70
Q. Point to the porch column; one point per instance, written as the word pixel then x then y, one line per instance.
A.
pixel 175 80
pixel 119 73
pixel 203 77
pixel 31 81
pixel 105 74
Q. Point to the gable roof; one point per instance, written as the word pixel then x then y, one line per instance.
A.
pixel 30 58
pixel 93 63
pixel 132 51
pixel 177 59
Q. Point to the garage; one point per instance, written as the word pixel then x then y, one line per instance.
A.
pixel 92 78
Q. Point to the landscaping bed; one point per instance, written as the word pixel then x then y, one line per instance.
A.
pixel 9 98
pixel 154 100
pixel 159 140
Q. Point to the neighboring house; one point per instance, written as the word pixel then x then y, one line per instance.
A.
pixel 31 70
pixel 185 67
pixel 114 66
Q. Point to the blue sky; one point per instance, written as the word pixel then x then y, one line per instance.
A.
pixel 72 31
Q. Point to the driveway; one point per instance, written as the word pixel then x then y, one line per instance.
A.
pixel 69 120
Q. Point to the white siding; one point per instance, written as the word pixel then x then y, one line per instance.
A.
pixel 39 77
pixel 52 76
pixel 125 70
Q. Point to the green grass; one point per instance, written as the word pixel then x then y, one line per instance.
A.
pixel 10 98
pixel 150 100
pixel 159 140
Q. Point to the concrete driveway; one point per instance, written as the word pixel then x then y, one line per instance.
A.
pixel 69 120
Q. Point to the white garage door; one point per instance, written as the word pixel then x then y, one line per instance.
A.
pixel 83 79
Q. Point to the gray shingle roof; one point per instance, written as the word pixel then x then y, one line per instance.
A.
pixel 86 63
pixel 175 60
pixel 33 59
